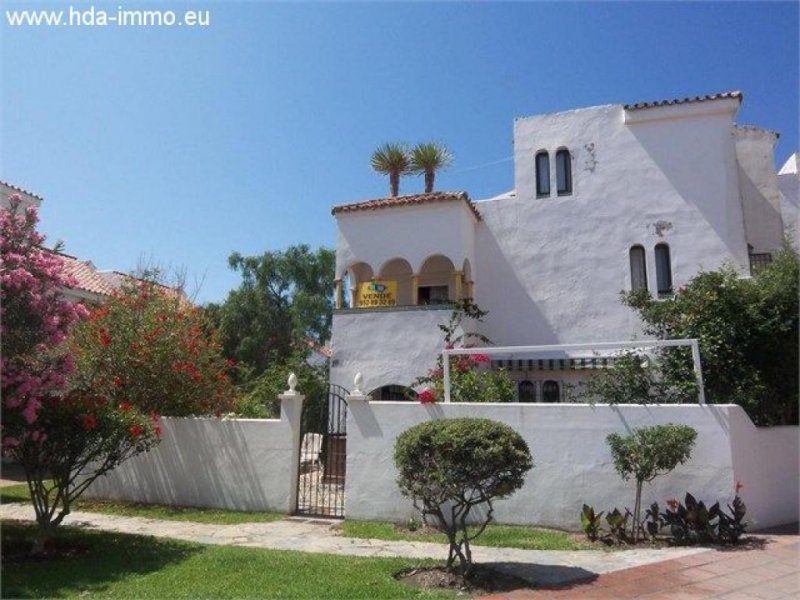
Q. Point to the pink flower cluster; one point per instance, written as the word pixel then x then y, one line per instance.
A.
pixel 36 319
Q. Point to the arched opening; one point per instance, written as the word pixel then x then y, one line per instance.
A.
pixel 563 172
pixel 542 174
pixel 551 391
pixel 526 391
pixel 399 271
pixel 436 281
pixel 469 285
pixel 393 393
pixel 638 268
pixel 356 274
pixel 663 271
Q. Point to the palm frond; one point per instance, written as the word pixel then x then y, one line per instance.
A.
pixel 430 157
pixel 391 158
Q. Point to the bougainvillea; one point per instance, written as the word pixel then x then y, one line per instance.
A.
pixel 148 348
pixel 471 377
pixel 62 436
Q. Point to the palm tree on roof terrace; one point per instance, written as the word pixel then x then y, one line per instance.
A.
pixel 429 158
pixel 392 160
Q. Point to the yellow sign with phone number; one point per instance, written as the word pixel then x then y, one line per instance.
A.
pixel 377 293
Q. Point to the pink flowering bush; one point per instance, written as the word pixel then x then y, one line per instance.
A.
pixel 63 436
pixel 471 377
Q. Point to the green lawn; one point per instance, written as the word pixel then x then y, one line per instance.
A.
pixel 130 566
pixel 19 493
pixel 499 536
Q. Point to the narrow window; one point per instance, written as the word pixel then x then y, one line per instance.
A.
pixel 551 391
pixel 527 392
pixel 663 271
pixel 563 172
pixel 638 269
pixel 542 174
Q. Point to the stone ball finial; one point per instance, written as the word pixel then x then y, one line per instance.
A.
pixel 292 383
pixel 358 381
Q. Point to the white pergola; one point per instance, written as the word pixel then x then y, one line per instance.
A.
pixel 522 350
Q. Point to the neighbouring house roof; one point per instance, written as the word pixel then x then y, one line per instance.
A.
pixel 721 96
pixel 101 284
pixel 21 190
pixel 117 279
pixel 87 278
pixel 317 347
pixel 412 200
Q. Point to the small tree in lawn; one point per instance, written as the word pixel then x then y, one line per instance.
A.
pixel 450 466
pixel 71 438
pixel 647 453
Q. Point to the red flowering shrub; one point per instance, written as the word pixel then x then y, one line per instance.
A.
pixel 471 376
pixel 147 348
pixel 62 436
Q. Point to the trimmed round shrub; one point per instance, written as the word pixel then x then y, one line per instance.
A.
pixel 449 466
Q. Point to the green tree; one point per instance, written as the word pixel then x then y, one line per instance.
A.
pixel 647 453
pixel 747 331
pixel 450 466
pixel 392 160
pixel 285 299
pixel 428 159
pixel 260 396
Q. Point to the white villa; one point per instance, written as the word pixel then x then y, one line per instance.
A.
pixel 606 199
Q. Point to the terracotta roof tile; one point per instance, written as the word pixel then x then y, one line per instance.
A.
pixel 721 96
pixel 86 276
pixel 412 200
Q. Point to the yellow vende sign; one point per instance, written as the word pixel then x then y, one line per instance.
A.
pixel 377 293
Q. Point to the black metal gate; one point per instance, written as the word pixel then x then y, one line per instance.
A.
pixel 323 453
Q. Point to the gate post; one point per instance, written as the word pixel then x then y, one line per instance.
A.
pixel 357 397
pixel 292 413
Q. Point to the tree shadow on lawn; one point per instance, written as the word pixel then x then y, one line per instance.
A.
pixel 540 575
pixel 80 560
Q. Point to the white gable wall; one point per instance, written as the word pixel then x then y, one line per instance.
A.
pixel 758 185
pixel 551 269
pixel 410 232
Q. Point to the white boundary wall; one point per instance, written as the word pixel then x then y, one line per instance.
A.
pixel 238 464
pixel 573 464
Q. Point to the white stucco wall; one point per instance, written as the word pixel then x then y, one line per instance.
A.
pixel 568 473
pixel 387 347
pixel 551 269
pixel 758 186
pixel 410 232
pixel 237 464
pixel 789 182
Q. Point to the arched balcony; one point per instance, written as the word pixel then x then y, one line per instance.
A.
pixel 396 284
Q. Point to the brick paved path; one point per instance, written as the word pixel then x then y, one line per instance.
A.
pixel 768 569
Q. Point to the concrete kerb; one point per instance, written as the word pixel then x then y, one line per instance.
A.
pixel 539 566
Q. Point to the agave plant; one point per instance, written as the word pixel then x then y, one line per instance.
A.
pixel 392 160
pixel 427 159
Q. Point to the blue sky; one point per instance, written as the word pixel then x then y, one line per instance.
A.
pixel 184 144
